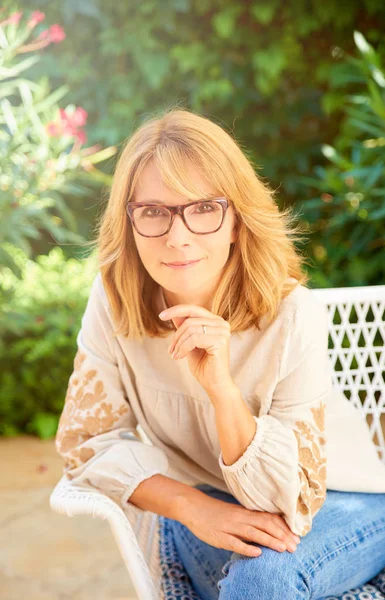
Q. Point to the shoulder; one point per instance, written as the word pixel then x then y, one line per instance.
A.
pixel 303 307
pixel 97 287
pixel 98 304
pixel 304 322
pixel 305 328
pixel 97 330
pixel 305 325
pixel 98 292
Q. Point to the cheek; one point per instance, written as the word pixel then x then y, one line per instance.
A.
pixel 148 250
pixel 221 245
pixel 220 250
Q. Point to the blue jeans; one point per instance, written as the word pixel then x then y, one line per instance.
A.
pixel 344 550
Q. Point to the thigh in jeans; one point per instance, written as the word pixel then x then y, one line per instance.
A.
pixel 344 549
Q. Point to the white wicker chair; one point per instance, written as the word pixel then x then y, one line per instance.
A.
pixel 357 335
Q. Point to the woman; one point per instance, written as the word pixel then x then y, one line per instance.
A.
pixel 253 449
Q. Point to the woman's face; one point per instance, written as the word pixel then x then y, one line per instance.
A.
pixel 197 283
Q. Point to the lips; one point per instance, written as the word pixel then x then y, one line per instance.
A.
pixel 180 264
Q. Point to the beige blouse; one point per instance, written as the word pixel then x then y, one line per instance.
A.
pixel 308 438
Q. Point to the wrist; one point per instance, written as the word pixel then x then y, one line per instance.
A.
pixel 224 393
pixel 183 503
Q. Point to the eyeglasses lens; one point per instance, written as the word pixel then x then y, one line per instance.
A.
pixel 203 217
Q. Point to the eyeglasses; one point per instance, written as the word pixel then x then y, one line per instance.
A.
pixel 201 216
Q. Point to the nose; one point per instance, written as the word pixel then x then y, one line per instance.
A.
pixel 179 232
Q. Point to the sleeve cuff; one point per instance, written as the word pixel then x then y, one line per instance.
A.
pixel 136 482
pixel 250 452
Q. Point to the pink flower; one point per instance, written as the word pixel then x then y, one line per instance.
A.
pixel 35 18
pixel 56 33
pixel 79 118
pixel 44 35
pixel 69 124
pixel 81 136
pixel 53 35
pixel 14 18
pixel 66 125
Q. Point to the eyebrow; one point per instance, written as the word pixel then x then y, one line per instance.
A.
pixel 155 201
pixel 149 201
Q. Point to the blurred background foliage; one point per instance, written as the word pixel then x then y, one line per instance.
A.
pixel 301 85
pixel 38 341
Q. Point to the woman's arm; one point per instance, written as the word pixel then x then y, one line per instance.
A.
pixel 164 496
pixel 283 469
pixel 97 415
pixel 233 414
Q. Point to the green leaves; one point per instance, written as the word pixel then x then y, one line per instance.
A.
pixel 41 156
pixel 264 12
pixel 268 66
pixel 351 202
pixel 224 21
pixel 41 310
pixel 154 68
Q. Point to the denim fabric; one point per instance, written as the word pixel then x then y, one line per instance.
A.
pixel 342 557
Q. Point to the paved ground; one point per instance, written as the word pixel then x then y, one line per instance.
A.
pixel 44 555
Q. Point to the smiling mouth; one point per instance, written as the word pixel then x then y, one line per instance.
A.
pixel 185 265
pixel 181 264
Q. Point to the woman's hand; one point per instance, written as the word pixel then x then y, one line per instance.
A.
pixel 208 354
pixel 224 525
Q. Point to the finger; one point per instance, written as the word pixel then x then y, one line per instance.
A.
pixel 249 532
pixel 197 339
pixel 236 545
pixel 195 322
pixel 185 310
pixel 272 529
pixel 276 527
pixel 278 520
pixel 269 522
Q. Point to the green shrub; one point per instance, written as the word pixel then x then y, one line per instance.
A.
pixel 42 152
pixel 266 69
pixel 40 319
pixel 347 213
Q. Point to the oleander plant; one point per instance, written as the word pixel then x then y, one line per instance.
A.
pixel 43 152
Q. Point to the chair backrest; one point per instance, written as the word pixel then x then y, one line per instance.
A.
pixel 357 350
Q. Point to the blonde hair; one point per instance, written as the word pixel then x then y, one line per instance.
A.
pixel 261 262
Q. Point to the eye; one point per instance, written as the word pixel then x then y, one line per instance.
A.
pixel 211 207
pixel 149 212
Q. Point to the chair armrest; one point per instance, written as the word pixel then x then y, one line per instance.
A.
pixel 72 500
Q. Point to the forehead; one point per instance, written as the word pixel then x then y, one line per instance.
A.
pixel 191 184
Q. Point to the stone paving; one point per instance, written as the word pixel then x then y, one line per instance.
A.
pixel 44 555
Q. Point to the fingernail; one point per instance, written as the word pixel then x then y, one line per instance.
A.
pixel 292 547
pixel 163 313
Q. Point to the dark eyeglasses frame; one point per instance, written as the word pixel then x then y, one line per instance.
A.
pixel 176 210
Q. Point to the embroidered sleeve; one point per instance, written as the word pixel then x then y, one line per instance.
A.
pixel 97 410
pixel 283 470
